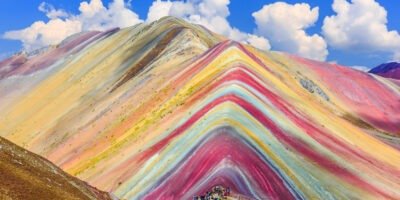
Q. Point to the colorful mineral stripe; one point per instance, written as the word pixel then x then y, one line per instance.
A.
pixel 170 110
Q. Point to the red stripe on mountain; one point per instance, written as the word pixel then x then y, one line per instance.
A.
pixel 189 179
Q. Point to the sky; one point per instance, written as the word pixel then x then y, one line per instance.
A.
pixel 356 33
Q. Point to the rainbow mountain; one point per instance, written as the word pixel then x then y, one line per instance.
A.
pixel 169 110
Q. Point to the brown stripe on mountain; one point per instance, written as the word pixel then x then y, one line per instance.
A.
pixel 137 67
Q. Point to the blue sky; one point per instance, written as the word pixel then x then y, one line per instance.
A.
pixel 15 16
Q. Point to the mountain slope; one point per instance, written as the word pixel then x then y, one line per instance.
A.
pixel 27 176
pixel 170 110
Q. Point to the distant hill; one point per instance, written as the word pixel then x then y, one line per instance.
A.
pixel 388 70
pixel 26 176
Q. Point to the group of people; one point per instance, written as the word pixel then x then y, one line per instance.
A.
pixel 216 193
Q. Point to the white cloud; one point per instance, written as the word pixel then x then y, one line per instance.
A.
pixel 92 8
pixel 361 68
pixel 360 25
pixel 209 13
pixel 51 12
pixel 158 10
pixel 258 42
pixel 41 34
pixel 93 16
pixel 284 25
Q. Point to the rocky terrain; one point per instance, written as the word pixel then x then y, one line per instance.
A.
pixel 26 176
